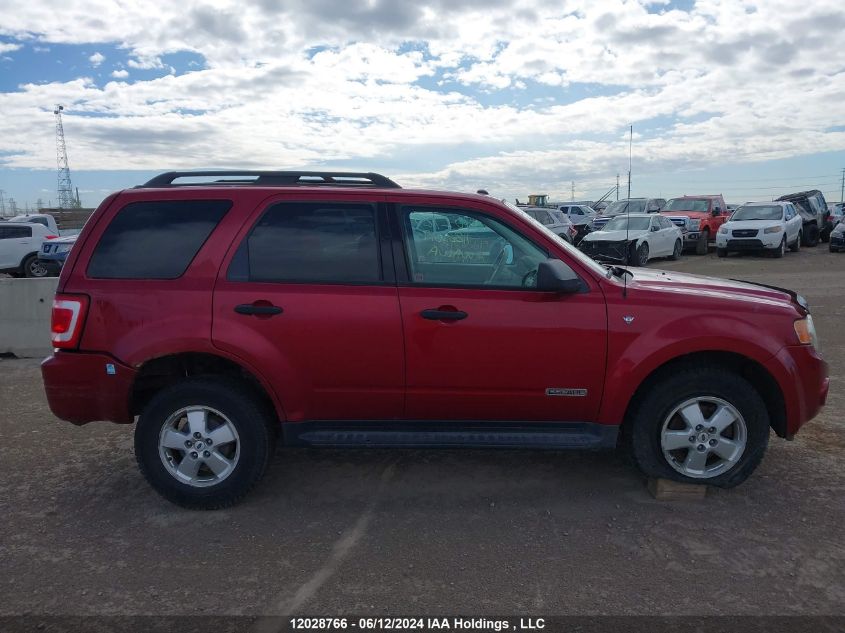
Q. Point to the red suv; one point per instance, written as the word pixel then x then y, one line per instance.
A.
pixel 315 309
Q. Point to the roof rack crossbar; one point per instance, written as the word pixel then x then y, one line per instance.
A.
pixel 273 178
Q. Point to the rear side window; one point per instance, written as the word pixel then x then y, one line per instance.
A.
pixel 319 242
pixel 155 240
pixel 12 232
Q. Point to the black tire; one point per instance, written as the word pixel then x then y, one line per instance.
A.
pixel 634 254
pixel 31 268
pixel 674 387
pixel 824 236
pixel 676 253
pixel 781 251
pixel 703 243
pixel 722 252
pixel 256 438
pixel 811 235
pixel 796 245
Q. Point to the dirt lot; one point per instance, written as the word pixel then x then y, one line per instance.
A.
pixel 400 532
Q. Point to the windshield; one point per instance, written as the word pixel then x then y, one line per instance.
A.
pixel 623 206
pixel 761 212
pixel 622 223
pixel 573 252
pixel 687 204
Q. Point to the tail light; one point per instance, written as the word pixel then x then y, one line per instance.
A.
pixel 50 237
pixel 68 316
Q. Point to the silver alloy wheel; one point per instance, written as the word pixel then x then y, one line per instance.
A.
pixel 37 269
pixel 642 254
pixel 678 248
pixel 703 437
pixel 199 446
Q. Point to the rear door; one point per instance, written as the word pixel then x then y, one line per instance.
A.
pixel 481 343
pixel 16 242
pixel 308 297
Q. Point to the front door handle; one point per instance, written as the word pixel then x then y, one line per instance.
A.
pixel 257 308
pixel 443 315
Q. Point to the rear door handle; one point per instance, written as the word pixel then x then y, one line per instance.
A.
pixel 443 315
pixel 252 308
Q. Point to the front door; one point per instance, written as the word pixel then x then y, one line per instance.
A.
pixel 308 300
pixel 480 342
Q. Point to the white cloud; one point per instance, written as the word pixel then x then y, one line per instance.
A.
pixel 6 47
pixel 96 59
pixel 464 93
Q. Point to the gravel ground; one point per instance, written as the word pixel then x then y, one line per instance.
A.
pixel 398 532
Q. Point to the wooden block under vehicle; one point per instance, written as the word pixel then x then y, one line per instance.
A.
pixel 668 490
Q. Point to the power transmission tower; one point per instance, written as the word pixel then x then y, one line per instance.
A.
pixel 66 198
pixel 617 185
pixel 842 190
pixel 2 204
pixel 573 191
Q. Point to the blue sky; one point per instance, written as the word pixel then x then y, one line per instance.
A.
pixel 742 97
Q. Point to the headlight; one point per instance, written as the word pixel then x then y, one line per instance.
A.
pixel 723 229
pixel 694 225
pixel 773 229
pixel 806 331
pixel 839 229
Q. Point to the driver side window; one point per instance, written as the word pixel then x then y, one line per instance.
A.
pixel 476 251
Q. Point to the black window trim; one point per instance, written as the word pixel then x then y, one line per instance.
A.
pixel 383 239
pixel 403 279
pixel 190 263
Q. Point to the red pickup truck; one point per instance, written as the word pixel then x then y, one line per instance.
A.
pixel 699 218
pixel 309 308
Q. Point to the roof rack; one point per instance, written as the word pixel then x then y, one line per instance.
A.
pixel 273 179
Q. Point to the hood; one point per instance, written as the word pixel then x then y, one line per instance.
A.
pixel 751 224
pixel 613 236
pixel 717 288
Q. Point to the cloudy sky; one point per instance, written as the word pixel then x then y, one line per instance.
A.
pixel 744 97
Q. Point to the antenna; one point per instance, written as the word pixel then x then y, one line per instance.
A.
pixel 628 210
pixel 65 189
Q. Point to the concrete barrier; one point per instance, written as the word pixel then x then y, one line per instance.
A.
pixel 25 306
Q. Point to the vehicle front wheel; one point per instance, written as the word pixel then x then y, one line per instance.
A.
pixel 811 235
pixel 796 246
pixel 676 252
pixel 33 268
pixel 203 443
pixel 781 250
pixel 722 252
pixel 700 425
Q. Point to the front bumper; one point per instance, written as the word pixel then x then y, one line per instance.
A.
pixel 803 378
pixel 606 250
pixel 837 241
pixel 83 387
pixel 761 242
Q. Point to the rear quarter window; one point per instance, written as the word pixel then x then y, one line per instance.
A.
pixel 155 240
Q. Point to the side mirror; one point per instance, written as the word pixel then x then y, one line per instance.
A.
pixel 654 228
pixel 508 248
pixel 555 276
pixel 717 211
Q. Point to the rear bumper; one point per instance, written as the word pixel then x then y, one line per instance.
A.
pixel 803 377
pixel 83 387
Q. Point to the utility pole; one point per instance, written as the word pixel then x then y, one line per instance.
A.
pixel 65 189
pixel 617 185
pixel 842 190
pixel 630 156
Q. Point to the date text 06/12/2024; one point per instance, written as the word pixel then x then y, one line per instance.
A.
pixel 416 624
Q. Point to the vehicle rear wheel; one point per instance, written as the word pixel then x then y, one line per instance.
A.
pixel 811 235
pixel 33 268
pixel 703 243
pixel 722 252
pixel 796 245
pixel 700 425
pixel 781 250
pixel 679 248
pixel 203 443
